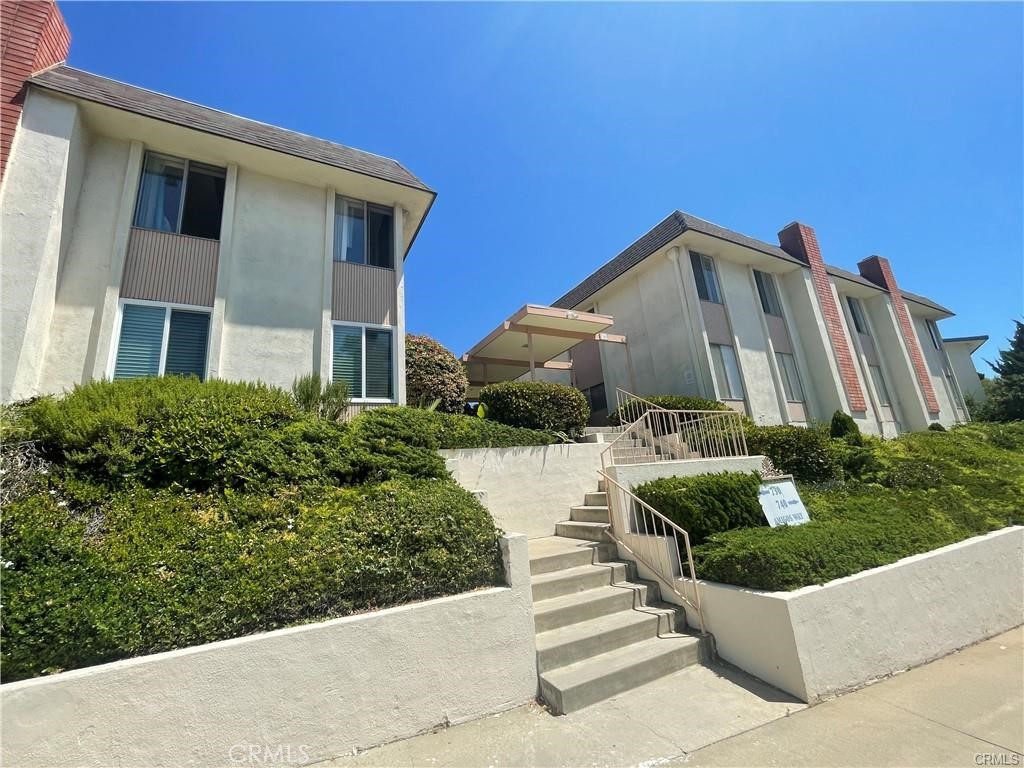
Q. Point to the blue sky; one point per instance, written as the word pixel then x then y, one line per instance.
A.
pixel 556 135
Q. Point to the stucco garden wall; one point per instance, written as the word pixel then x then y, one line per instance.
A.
pixel 819 641
pixel 303 694
pixel 528 488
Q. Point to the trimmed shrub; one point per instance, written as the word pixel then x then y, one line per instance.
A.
pixel 457 431
pixel 145 571
pixel 844 427
pixel 936 427
pixel 803 452
pixel 536 405
pixel 394 440
pixel 706 504
pixel 432 373
pixel 669 403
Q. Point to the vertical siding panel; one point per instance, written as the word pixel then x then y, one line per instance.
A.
pixel 162 266
pixel 362 294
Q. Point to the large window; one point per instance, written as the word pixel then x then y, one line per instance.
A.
pixel 857 313
pixel 704 275
pixel 880 386
pixel 727 372
pixel 791 385
pixel 159 339
pixel 363 233
pixel 770 302
pixel 933 331
pixel 180 196
pixel 363 358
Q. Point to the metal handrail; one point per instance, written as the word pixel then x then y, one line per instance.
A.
pixel 667 435
pixel 644 532
pixel 629 403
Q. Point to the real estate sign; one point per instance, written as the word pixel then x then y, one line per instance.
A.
pixel 781 503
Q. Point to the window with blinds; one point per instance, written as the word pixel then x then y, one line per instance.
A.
pixel 157 340
pixel 364 360
pixel 791 386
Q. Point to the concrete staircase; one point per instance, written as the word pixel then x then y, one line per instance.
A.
pixel 600 630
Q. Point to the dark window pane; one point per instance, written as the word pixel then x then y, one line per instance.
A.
pixel 351 244
pixel 186 344
pixel 160 194
pixel 381 233
pixel 204 202
pixel 378 363
pixel 698 276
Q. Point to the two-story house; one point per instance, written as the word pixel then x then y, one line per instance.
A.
pixel 771 330
pixel 146 235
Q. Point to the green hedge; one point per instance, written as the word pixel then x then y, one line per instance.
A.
pixel 536 405
pixel 902 497
pixel 457 431
pixel 806 453
pixel 669 403
pixel 706 504
pixel 92 577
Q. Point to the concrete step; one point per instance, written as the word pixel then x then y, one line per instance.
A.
pixel 579 579
pixel 575 686
pixel 596 499
pixel 581 530
pixel 601 430
pixel 582 606
pixel 651 459
pixel 576 642
pixel 589 513
pixel 601 485
pixel 557 553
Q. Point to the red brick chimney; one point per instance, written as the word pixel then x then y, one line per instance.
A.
pixel 33 37
pixel 878 270
pixel 800 242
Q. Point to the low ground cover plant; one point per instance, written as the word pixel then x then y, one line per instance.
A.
pixel 913 494
pixel 539 405
pixel 159 513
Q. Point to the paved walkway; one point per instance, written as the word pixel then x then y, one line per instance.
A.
pixel 953 712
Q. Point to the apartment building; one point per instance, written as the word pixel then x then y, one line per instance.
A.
pixel 146 235
pixel 771 330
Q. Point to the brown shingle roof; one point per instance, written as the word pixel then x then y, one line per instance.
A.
pixel 671 227
pixel 112 93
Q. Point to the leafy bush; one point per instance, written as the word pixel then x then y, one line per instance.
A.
pixel 325 401
pixel 457 431
pixel 706 504
pixel 536 405
pixel 669 403
pixel 921 491
pixel 805 453
pixel 936 427
pixel 143 571
pixel 397 440
pixel 432 373
pixel 843 426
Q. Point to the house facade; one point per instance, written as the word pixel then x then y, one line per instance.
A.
pixel 146 235
pixel 771 330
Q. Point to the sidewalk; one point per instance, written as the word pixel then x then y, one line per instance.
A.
pixel 945 713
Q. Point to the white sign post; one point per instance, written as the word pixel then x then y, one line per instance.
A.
pixel 781 502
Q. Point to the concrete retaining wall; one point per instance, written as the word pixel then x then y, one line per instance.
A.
pixel 529 488
pixel 293 696
pixel 819 641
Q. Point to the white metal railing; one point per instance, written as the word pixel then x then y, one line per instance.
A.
pixel 654 541
pixel 656 434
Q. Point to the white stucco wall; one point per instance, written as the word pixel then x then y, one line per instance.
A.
pixel 819 641
pixel 964 369
pixel 87 271
pixel 40 180
pixel 277 253
pixel 632 475
pixel 530 488
pixel 315 691
pixel 934 360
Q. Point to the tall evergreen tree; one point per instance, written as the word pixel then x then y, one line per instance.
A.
pixel 1004 399
pixel 1011 361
